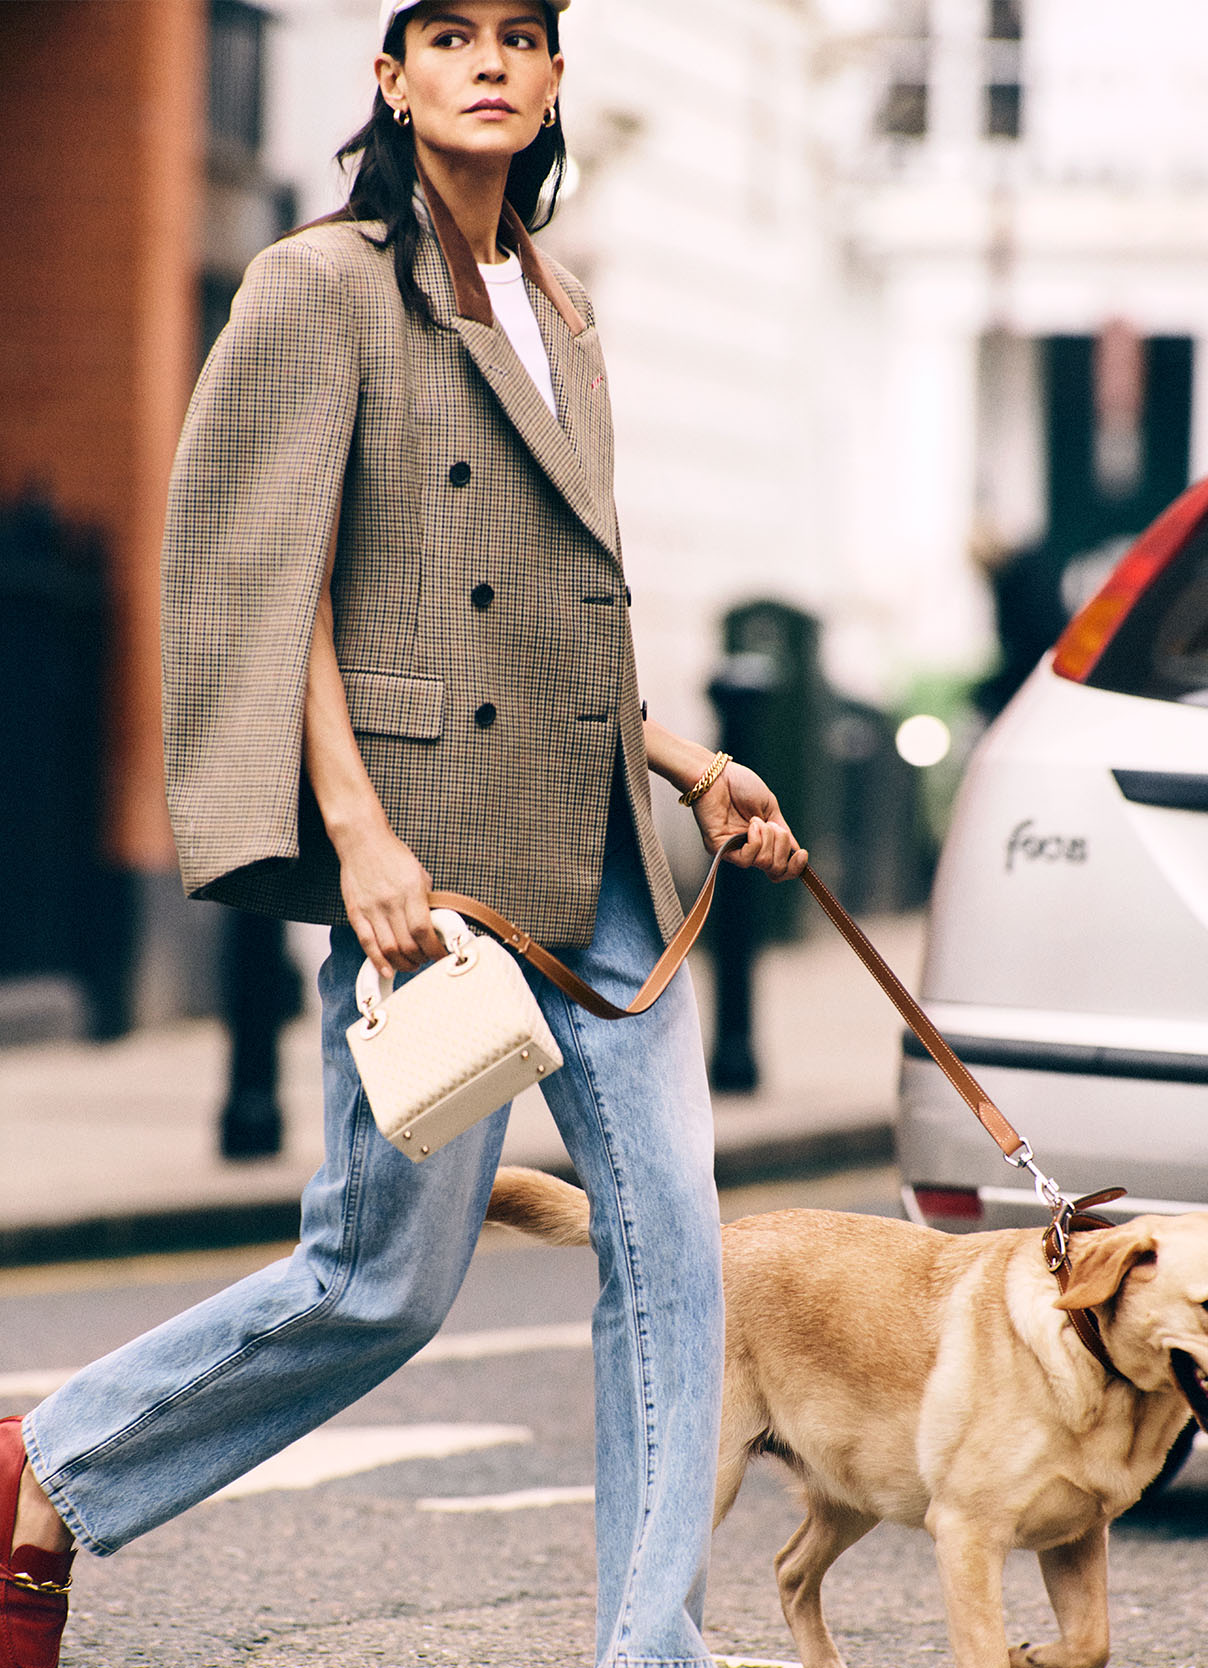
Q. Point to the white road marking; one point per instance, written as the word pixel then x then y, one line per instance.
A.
pixel 508 1340
pixel 346 1450
pixel 522 1500
pixel 752 1662
pixel 35 1383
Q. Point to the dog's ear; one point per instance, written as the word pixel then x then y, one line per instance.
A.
pixel 1100 1260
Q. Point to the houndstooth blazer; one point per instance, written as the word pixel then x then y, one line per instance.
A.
pixel 481 620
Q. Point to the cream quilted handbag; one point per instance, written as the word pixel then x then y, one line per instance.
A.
pixel 465 1034
pixel 453 1044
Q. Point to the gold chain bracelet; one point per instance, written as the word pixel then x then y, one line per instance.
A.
pixel 703 783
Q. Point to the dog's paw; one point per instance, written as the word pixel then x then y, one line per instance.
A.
pixel 1056 1655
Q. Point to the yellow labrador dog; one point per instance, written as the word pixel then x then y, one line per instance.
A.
pixel 933 1380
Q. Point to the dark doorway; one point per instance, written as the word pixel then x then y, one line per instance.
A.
pixel 1083 510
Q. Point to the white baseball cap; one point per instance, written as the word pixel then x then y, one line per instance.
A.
pixel 391 9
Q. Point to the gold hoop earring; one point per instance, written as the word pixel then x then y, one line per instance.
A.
pixel 550 117
pixel 403 117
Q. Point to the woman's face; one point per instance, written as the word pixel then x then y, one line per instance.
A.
pixel 477 76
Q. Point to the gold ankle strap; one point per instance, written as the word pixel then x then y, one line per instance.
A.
pixel 28 1584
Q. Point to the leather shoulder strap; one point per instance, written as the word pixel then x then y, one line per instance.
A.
pixel 665 968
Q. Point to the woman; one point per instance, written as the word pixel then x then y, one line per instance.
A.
pixel 397 655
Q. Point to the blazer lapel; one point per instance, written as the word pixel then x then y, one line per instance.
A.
pixel 574 458
pixel 576 365
pixel 581 390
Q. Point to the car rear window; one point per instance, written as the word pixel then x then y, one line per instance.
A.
pixel 1161 649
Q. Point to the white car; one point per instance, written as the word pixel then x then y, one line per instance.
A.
pixel 1067 958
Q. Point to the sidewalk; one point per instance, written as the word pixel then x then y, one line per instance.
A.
pixel 111 1149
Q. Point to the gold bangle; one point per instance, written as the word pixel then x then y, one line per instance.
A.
pixel 713 770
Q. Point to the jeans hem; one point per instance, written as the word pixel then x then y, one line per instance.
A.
pixel 659 1662
pixel 60 1502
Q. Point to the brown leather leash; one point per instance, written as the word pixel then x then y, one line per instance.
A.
pixel 665 968
pixel 1067 1216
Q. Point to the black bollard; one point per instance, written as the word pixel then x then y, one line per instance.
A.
pixel 260 991
pixel 733 1069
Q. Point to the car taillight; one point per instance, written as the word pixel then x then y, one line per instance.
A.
pixel 1088 634
pixel 952 1204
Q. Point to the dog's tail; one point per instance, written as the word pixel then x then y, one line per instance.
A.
pixel 540 1205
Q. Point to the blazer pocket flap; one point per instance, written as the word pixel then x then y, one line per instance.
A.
pixel 381 703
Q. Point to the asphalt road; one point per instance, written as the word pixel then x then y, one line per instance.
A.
pixel 445 1558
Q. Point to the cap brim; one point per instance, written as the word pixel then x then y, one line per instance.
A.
pixel 392 8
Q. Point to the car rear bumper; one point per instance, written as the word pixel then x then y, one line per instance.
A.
pixel 1014 1207
pixel 1089 1125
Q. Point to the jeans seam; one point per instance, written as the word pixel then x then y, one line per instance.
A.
pixel 640 1334
pixel 353 1193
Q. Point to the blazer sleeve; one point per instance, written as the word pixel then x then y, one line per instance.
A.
pixel 254 491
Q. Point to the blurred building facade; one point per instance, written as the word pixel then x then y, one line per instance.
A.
pixel 138 194
pixel 97 348
pixel 1017 195
pixel 891 291
pixel 101 166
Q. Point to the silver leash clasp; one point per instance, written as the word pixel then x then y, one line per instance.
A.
pixel 1051 1196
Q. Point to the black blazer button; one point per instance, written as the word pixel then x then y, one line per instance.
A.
pixel 643 712
pixel 485 716
pixel 459 474
pixel 628 597
pixel 482 596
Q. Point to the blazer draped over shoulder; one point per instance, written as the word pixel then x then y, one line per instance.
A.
pixel 481 618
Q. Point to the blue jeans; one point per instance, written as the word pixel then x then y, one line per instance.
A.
pixel 165 1421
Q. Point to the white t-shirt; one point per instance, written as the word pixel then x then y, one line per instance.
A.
pixel 514 310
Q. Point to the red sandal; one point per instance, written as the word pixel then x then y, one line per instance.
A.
pixel 33 1583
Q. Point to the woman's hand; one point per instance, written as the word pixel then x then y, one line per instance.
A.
pixel 385 889
pixel 740 802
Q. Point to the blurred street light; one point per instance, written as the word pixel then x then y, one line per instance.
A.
pixel 923 740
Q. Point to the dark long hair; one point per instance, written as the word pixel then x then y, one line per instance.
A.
pixel 383 187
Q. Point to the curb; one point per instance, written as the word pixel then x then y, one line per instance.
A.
pixel 147 1232
pixel 800 1156
pixel 262 1222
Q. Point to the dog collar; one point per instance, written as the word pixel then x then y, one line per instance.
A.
pixel 1077 1218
